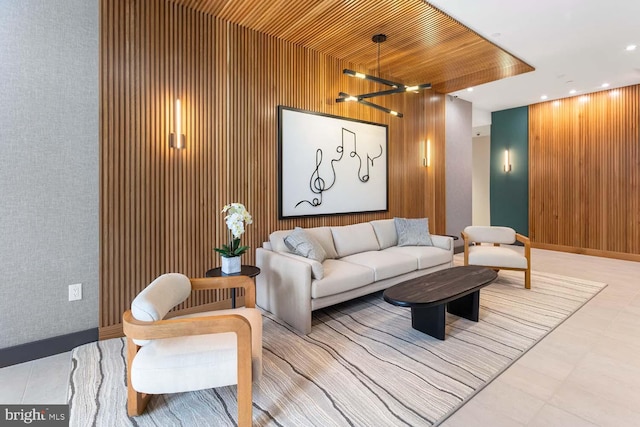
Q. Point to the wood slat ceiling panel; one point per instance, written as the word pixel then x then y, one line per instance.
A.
pixel 424 44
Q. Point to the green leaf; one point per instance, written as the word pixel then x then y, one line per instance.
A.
pixel 240 250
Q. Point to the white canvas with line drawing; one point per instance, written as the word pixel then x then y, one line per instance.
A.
pixel 330 165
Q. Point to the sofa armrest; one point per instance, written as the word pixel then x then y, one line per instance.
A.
pixel 283 287
pixel 443 242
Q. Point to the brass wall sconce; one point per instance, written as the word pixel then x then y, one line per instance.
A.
pixel 507 161
pixel 177 138
pixel 426 160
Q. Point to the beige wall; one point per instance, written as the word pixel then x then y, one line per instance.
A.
pixel 481 149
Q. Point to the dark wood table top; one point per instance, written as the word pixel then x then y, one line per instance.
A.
pixel 245 270
pixel 440 287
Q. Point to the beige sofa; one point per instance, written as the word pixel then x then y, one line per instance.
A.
pixel 361 259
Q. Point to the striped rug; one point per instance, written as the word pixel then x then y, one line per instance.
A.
pixel 362 365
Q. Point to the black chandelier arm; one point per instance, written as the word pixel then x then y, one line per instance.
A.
pixel 344 97
pixel 418 87
pixel 401 89
pixel 371 78
pixel 380 93
pixel 380 107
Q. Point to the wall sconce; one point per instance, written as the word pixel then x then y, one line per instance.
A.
pixel 426 160
pixel 177 139
pixel 507 162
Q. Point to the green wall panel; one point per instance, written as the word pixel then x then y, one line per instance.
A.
pixel 509 193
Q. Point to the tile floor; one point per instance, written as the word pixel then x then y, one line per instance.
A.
pixel 585 373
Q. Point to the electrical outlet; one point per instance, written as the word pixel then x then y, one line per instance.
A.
pixel 75 292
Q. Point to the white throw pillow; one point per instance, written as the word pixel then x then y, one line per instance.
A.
pixel 413 232
pixel 302 243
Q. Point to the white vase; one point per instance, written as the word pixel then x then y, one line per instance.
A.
pixel 231 265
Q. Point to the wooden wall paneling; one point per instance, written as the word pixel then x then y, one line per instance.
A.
pixel 584 173
pixel 160 207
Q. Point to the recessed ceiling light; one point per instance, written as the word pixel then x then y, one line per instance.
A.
pixel 469 89
pixel 605 84
pixel 631 47
pixel 572 91
pixel 544 97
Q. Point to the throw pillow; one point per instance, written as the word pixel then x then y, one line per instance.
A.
pixel 302 243
pixel 413 232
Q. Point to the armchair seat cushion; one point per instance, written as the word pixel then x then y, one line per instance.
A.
pixel 195 362
pixel 496 256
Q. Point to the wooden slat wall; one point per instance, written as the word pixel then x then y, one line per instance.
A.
pixel 584 157
pixel 159 207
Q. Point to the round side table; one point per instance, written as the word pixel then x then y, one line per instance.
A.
pixel 245 270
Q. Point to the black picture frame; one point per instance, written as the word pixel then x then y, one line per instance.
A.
pixel 330 165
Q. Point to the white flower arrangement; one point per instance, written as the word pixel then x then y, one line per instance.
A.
pixel 237 217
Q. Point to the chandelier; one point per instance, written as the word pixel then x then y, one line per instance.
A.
pixel 395 87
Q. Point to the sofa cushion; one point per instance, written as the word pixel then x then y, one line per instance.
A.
pixel 496 256
pixel 427 256
pixel 277 240
pixel 384 264
pixel 491 234
pixel 321 234
pixel 340 276
pixel 324 236
pixel 413 232
pixel 353 239
pixel 317 270
pixel 304 244
pixel 386 234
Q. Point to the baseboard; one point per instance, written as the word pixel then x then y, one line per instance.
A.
pixel 584 251
pixel 47 347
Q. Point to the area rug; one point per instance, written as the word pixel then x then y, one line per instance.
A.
pixel 362 364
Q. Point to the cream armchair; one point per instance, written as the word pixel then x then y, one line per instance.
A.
pixel 487 251
pixel 193 352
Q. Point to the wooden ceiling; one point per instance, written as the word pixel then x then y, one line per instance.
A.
pixel 424 45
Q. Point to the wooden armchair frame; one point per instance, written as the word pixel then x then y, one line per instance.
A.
pixel 527 254
pixel 136 329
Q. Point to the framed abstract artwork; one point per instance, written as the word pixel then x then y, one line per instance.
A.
pixel 330 165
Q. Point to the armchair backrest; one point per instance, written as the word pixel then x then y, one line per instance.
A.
pixel 490 234
pixel 160 296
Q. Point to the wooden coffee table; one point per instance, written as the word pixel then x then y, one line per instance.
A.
pixel 457 289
